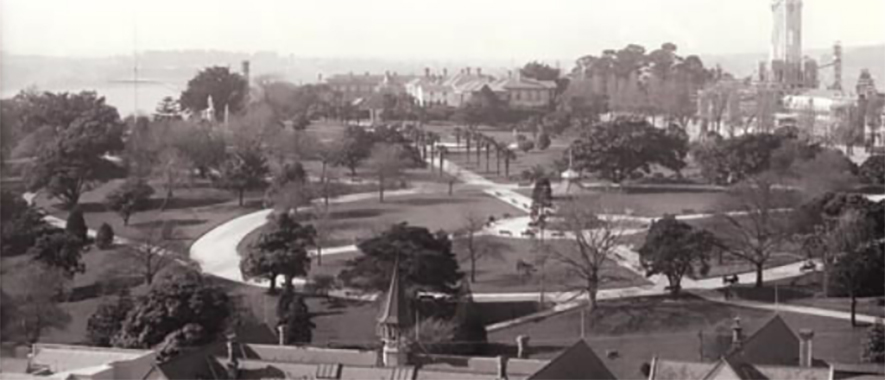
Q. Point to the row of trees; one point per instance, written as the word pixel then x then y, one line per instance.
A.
pixel 640 82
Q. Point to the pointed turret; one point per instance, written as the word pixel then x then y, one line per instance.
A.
pixel 395 318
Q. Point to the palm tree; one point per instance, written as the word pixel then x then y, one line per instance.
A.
pixel 442 152
pixel 488 143
pixel 508 155
pixel 478 137
pixel 467 136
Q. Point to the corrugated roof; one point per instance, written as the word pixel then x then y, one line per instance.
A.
pixel 794 373
pixel 679 370
pixel 63 358
pixel 523 83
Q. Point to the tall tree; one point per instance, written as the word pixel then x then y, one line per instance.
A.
pixel 34 292
pixel 355 146
pixel 227 90
pixel 859 268
pixel 762 227
pixel 244 169
pixel 388 161
pixel 203 147
pixel 426 260
pixel 157 249
pixel 107 320
pixel 475 247
pixel 168 109
pixel 20 224
pixel 595 242
pixel 60 250
pixel 131 197
pixel 86 130
pixel 621 149
pixel 170 305
pixel 676 249
pixel 280 250
pixel 295 317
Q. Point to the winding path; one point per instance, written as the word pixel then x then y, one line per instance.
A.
pixel 216 250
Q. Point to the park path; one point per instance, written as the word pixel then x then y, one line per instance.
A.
pixel 216 250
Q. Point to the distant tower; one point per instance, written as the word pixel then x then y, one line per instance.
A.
pixel 786 42
pixel 837 67
pixel 245 66
pixel 393 323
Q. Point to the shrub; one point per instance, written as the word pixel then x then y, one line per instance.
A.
pixel 104 238
pixel 76 225
pixel 873 169
pixel 543 141
pixel 526 145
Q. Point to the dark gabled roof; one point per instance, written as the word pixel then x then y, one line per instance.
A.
pixel 774 344
pixel 396 311
pixel 577 362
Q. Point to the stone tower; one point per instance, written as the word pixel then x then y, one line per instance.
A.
pixel 786 42
pixel 394 320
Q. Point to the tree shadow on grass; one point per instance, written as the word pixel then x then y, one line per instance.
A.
pixel 86 207
pixel 431 201
pixel 173 222
pixel 357 213
pixel 183 203
pixel 104 287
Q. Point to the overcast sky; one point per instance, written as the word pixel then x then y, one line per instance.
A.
pixel 416 29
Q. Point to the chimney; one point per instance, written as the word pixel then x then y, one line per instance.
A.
pixel 320 77
pixel 281 334
pixel 232 365
pixel 366 74
pixel 509 73
pixel 806 353
pixel 445 72
pixel 427 72
pixel 479 71
pixel 468 70
pixel 502 367
pixel 231 349
pixel 522 346
pixel 737 336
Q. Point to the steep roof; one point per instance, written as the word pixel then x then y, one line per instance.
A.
pixel 577 362
pixel 396 311
pixel 774 344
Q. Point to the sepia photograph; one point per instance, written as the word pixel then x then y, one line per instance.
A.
pixel 442 190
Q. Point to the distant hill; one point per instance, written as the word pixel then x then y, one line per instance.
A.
pixel 854 59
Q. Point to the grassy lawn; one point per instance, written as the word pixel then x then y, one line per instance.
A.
pixel 497 272
pixel 807 290
pixel 646 202
pixel 107 273
pixel 194 210
pixel 641 328
pixel 355 221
